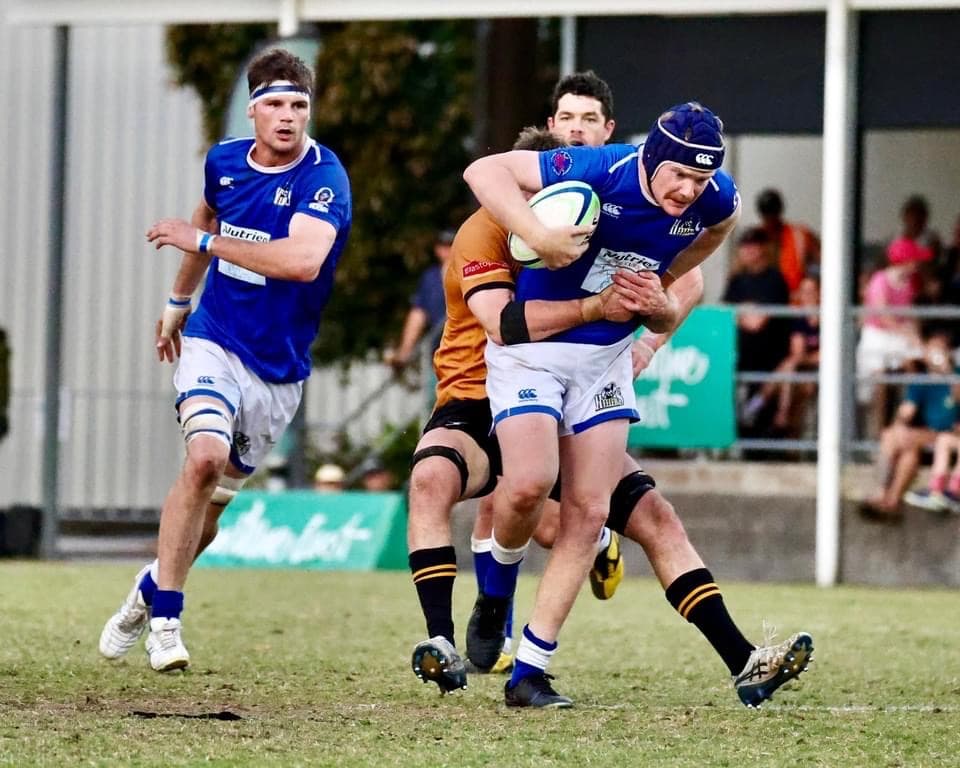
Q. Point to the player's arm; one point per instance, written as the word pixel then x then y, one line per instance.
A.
pixel 499 182
pixel 688 290
pixel 507 321
pixel 193 265
pixel 167 335
pixel 297 257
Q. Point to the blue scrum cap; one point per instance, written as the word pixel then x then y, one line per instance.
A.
pixel 688 134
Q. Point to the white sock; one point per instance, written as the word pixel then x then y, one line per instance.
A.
pixel 506 556
pixel 480 545
pixel 532 653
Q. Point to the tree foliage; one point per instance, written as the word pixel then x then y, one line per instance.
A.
pixel 207 58
pixel 393 100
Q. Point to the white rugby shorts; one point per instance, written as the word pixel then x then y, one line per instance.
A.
pixel 261 410
pixel 580 385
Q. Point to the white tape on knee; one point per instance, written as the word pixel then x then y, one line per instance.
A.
pixel 207 418
pixel 226 489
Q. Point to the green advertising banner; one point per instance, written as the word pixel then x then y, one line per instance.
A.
pixel 349 531
pixel 686 395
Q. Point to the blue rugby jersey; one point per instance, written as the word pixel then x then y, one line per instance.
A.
pixel 269 323
pixel 633 232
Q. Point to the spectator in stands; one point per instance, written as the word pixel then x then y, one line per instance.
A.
pixel 914 218
pixel 942 493
pixel 329 478
pixel 428 307
pixel 762 340
pixel 374 475
pixel 914 221
pixel 888 341
pixel 951 280
pixel 796 248
pixel 804 355
pixel 926 409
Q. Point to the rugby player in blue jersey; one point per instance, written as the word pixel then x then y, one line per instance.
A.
pixel 666 207
pixel 268 232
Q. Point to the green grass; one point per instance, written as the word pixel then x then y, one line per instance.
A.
pixel 317 667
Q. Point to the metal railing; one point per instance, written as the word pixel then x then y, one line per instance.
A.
pixel 855 443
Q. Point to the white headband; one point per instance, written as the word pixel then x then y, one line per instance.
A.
pixel 277 86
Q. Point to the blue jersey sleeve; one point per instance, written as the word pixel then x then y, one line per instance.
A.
pixel 720 199
pixel 588 164
pixel 210 177
pixel 326 193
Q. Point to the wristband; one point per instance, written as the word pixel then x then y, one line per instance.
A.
pixel 204 241
pixel 179 302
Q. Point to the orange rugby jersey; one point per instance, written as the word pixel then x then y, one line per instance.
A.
pixel 479 260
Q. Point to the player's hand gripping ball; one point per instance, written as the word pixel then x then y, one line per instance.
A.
pixel 566 203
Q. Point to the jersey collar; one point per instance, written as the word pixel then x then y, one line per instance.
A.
pixel 308 146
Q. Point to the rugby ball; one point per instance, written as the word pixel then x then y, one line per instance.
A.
pixel 565 203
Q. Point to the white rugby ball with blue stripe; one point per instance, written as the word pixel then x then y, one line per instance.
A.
pixel 561 204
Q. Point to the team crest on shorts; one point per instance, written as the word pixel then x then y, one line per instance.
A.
pixel 609 397
pixel 561 162
pixel 241 443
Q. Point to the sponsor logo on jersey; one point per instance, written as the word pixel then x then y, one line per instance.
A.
pixel 204 379
pixel 322 199
pixel 244 233
pixel 703 158
pixel 232 270
pixel 561 162
pixel 685 227
pixel 282 196
pixel 241 443
pixel 226 181
pixel 609 397
pixel 474 268
pixel 527 394
pixel 607 262
pixel 612 209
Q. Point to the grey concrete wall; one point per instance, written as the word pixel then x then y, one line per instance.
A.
pixel 758 523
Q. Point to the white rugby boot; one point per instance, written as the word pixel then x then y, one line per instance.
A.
pixel 165 646
pixel 124 628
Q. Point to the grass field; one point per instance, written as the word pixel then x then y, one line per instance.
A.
pixel 316 668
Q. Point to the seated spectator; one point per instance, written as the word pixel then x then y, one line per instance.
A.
pixel 762 341
pixel 329 478
pixel 796 248
pixel 951 277
pixel 792 398
pixel 926 410
pixel 374 475
pixel 942 493
pixel 888 341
